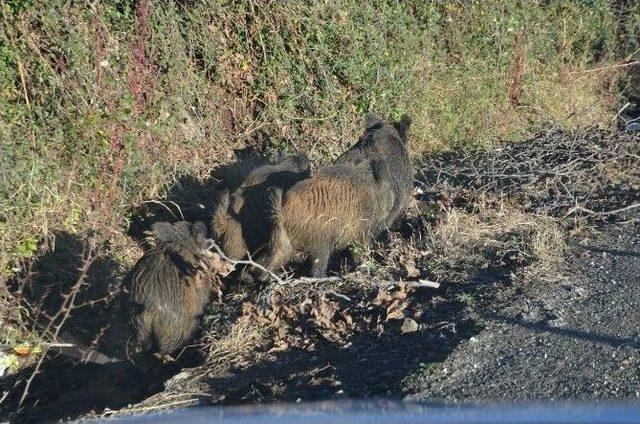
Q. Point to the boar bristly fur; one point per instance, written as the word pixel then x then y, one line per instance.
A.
pixel 386 141
pixel 337 206
pixel 242 223
pixel 169 287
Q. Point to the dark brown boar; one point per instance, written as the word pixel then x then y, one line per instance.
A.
pixel 242 223
pixel 169 287
pixel 386 141
pixel 337 206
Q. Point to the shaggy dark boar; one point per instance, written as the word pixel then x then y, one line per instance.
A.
pixel 242 222
pixel 338 205
pixel 169 287
pixel 386 141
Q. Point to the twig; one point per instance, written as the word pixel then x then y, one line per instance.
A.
pixel 313 280
pixel 604 68
pixel 424 283
pixel 57 345
pixel 166 207
pixel 419 283
pixel 340 295
pixel 248 262
pixel 622 109
pixel 577 208
pixel 110 412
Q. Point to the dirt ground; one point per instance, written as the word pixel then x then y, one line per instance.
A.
pixel 577 340
pixel 537 299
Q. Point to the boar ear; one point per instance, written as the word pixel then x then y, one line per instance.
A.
pixel 301 162
pixel 371 120
pixel 380 170
pixel 402 126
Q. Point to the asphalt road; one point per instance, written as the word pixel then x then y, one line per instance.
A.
pixel 576 339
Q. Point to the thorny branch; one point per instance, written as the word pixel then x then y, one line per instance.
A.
pixel 560 173
pixel 69 303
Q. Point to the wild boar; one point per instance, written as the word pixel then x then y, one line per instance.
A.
pixel 338 205
pixel 169 286
pixel 386 141
pixel 242 223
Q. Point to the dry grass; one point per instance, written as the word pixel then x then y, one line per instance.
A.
pixel 234 344
pixel 471 241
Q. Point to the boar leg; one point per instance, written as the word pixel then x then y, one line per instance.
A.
pixel 320 261
pixel 144 324
pixel 280 252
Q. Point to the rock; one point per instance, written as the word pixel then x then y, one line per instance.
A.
pixel 556 322
pixel 409 326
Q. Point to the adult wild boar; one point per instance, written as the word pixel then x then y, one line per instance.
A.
pixel 338 205
pixel 386 141
pixel 169 287
pixel 242 223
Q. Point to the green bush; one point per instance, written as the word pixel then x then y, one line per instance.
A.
pixel 103 104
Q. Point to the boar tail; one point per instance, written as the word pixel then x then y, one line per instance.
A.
pixel 219 218
pixel 223 203
pixel 280 248
pixel 275 199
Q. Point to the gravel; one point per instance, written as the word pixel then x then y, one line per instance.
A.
pixel 577 339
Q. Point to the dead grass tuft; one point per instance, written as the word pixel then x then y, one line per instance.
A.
pixel 472 241
pixel 235 343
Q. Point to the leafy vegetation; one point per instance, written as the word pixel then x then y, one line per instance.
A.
pixel 105 104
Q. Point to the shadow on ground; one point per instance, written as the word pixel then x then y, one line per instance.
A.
pixel 544 327
pixel 369 365
pixel 192 199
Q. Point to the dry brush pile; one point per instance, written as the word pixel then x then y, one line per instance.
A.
pixel 588 172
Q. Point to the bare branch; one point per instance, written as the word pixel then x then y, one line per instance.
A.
pixel 166 207
pixel 248 262
pixel 611 212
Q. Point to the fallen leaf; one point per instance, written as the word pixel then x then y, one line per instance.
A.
pixel 410 266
